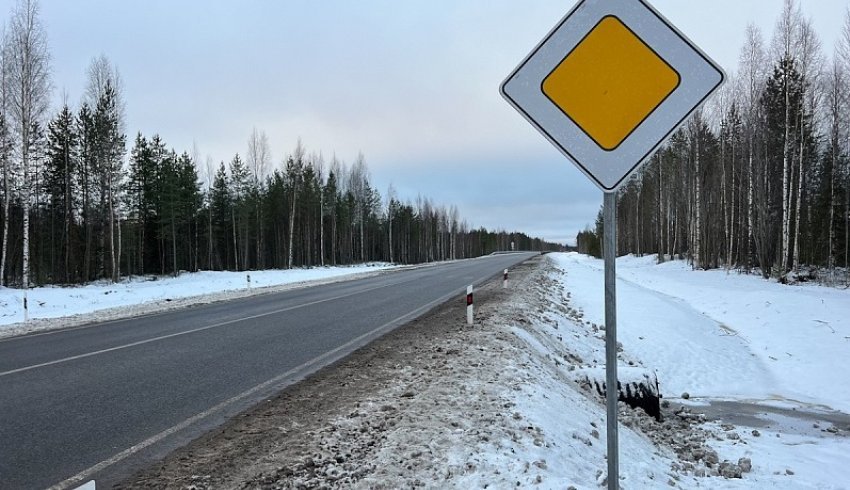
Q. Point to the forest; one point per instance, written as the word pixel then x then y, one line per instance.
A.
pixel 758 180
pixel 82 201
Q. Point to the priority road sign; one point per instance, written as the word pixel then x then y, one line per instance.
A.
pixel 609 84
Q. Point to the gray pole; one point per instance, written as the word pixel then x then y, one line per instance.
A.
pixel 610 251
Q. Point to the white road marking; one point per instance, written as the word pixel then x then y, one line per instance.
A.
pixel 87 473
pixel 186 332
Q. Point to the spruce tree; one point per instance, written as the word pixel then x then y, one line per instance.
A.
pixel 62 191
pixel 220 200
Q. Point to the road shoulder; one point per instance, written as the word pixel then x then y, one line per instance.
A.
pixel 435 403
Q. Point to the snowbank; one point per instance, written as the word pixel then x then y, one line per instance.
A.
pixel 128 297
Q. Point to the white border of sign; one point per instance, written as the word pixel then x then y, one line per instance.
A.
pixel 700 77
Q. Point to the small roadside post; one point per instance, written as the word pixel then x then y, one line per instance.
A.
pixel 505 280
pixel 607 86
pixel 469 305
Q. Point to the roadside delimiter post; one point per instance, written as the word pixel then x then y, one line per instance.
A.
pixel 469 305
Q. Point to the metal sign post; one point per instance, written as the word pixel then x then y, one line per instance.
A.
pixel 609 216
pixel 607 86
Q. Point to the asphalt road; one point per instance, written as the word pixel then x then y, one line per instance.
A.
pixel 97 402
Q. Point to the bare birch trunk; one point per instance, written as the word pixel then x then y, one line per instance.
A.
pixel 118 268
pixel 6 199
pixel 730 255
pixel 796 256
pixel 724 187
pixel 831 246
pixel 661 218
pixel 750 237
pixel 26 205
pixel 786 182
pixel 698 204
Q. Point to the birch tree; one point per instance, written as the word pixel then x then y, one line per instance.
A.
pixel 7 142
pixel 810 63
pixel 359 186
pixel 105 93
pixel 752 74
pixel 829 177
pixel 843 54
pixel 294 167
pixel 259 160
pixel 785 44
pixel 27 61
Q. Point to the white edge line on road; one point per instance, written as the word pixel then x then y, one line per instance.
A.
pixel 251 294
pixel 200 416
pixel 186 332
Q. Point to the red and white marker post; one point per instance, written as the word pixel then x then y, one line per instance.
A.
pixel 469 305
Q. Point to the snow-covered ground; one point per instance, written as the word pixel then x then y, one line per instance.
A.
pixel 55 307
pixel 716 336
pixel 505 403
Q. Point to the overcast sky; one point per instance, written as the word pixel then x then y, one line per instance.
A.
pixel 413 84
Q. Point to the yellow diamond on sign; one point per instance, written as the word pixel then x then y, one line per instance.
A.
pixel 610 83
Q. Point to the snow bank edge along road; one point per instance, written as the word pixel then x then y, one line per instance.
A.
pixel 54 307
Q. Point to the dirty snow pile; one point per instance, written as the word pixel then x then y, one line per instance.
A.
pixel 54 306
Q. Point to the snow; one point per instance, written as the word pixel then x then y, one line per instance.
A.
pixel 502 404
pixel 715 335
pixel 55 307
pixel 630 377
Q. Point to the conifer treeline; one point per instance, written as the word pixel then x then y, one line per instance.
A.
pixel 764 183
pixel 305 213
pixel 79 207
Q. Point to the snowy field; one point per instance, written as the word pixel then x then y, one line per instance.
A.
pixel 56 307
pixel 720 338
pixel 724 335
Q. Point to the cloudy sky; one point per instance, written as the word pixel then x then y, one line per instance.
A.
pixel 413 84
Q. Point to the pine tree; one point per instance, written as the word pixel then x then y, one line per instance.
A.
pixel 220 201
pixel 62 189
pixel 109 149
pixel 86 170
pixel 239 185
pixel 294 169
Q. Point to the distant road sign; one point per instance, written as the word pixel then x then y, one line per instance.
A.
pixel 609 84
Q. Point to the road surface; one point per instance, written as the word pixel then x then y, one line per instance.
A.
pixel 97 402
